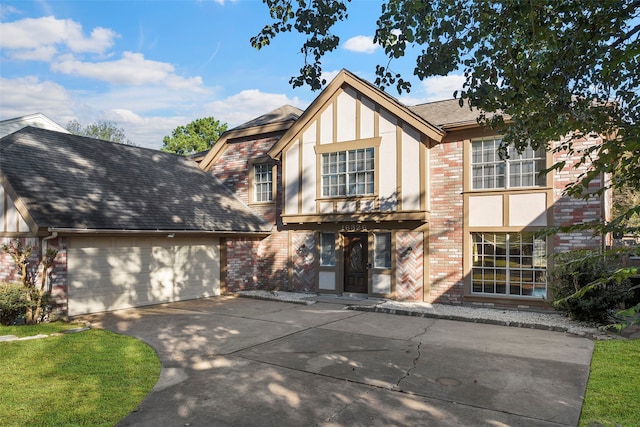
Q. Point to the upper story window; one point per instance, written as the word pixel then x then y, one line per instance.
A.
pixel 348 173
pixel 519 170
pixel 262 182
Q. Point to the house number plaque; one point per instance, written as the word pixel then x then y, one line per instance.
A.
pixel 354 227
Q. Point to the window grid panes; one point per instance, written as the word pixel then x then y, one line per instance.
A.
pixel 382 250
pixel 327 249
pixel 348 173
pixel 513 264
pixel 262 183
pixel 488 171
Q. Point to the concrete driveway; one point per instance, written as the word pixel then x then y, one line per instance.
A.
pixel 244 362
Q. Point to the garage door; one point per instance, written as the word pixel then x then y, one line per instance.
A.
pixel 113 273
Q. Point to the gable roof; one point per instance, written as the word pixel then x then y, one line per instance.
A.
pixel 74 183
pixel 447 113
pixel 37 120
pixel 347 78
pixel 278 120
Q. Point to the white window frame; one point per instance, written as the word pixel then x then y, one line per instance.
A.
pixel 348 173
pixel 512 271
pixel 489 172
pixel 382 248
pixel 262 182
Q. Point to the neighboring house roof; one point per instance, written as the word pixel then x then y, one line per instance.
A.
pixel 38 120
pixel 69 182
pixel 278 120
pixel 286 113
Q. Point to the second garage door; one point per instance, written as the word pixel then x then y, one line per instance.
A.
pixel 110 273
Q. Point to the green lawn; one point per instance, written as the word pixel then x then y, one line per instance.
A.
pixel 613 391
pixel 95 378
pixel 91 378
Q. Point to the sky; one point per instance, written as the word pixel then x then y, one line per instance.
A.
pixel 151 66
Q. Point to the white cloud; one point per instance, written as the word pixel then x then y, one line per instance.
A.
pixel 442 87
pixel 131 69
pixel 144 131
pixel 36 33
pixel 28 95
pixel 329 75
pixel 6 10
pixel 221 2
pixel 361 44
pixel 247 105
pixel 40 53
pixel 432 89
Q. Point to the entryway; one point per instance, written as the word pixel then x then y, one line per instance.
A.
pixel 356 263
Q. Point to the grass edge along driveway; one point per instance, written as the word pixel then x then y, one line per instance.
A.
pixel 97 377
pixel 613 397
pixel 92 378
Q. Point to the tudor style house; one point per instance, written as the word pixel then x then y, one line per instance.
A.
pixel 369 196
pixel 358 194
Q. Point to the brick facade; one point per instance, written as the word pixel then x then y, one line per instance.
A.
pixel 303 265
pixel 409 266
pixel 568 211
pixel 253 263
pixel 256 263
pixel 446 225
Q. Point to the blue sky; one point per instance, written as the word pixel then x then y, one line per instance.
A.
pixel 151 66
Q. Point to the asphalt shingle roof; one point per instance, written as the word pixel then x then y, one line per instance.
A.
pixel 446 113
pixel 280 114
pixel 70 181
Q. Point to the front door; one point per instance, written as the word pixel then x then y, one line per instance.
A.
pixel 356 259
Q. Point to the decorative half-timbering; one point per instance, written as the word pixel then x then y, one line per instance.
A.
pixel 409 203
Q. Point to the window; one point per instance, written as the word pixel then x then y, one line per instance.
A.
pixel 382 250
pixel 347 173
pixel 512 264
pixel 263 182
pixel 519 170
pixel 327 249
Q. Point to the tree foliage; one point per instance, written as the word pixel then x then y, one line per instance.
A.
pixel 197 136
pixel 105 130
pixel 540 70
pixel 35 295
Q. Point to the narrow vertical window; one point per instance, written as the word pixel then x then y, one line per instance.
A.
pixel 382 250
pixel 263 183
pixel 328 249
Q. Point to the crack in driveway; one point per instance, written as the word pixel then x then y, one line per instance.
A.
pixel 415 363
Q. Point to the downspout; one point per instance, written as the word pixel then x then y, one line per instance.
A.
pixel 53 235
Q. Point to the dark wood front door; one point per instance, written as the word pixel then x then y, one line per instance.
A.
pixel 356 259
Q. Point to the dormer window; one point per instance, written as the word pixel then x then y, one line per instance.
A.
pixel 348 173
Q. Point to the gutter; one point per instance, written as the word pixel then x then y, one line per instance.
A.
pixel 168 233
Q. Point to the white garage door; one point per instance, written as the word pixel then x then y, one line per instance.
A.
pixel 112 273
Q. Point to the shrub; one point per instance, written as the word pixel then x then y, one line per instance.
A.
pixel 587 285
pixel 13 303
